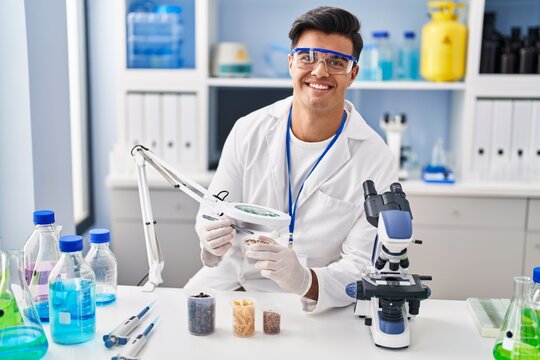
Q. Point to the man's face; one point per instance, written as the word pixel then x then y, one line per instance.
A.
pixel 316 89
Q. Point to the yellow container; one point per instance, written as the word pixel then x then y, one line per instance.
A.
pixel 444 42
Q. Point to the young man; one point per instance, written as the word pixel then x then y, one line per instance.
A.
pixel 308 156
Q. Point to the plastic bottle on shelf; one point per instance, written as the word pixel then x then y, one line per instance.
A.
pixel 369 63
pixel 40 256
pixel 492 42
pixel 509 61
pixel 72 295
pixel 382 38
pixel 408 63
pixel 103 263
pixel 528 57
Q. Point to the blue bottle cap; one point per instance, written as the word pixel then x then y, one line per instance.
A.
pixel 380 34
pixel 536 274
pixel 100 236
pixel 169 9
pixel 71 243
pixel 43 217
pixel 409 34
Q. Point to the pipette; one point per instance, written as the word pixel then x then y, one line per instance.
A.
pixel 234 226
pixel 135 346
pixel 119 336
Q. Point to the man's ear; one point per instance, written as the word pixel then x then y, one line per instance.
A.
pixel 290 58
pixel 354 73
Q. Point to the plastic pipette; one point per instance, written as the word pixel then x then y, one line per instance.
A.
pixel 135 346
pixel 119 336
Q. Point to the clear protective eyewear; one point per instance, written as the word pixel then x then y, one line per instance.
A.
pixel 336 63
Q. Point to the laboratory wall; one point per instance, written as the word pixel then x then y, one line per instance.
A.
pixel 35 130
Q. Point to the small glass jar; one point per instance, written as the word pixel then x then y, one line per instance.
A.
pixel 201 314
pixel 244 317
pixel 271 318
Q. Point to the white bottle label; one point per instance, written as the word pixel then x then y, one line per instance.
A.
pixel 64 318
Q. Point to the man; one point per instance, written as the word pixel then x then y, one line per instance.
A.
pixel 315 150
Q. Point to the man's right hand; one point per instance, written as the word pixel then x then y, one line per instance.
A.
pixel 216 236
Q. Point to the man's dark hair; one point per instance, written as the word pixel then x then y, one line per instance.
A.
pixel 329 20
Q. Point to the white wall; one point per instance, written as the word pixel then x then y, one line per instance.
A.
pixel 35 159
pixel 102 50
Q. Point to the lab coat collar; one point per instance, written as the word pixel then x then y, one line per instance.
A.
pixel 339 155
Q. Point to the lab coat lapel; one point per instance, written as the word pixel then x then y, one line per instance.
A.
pixel 275 140
pixel 334 159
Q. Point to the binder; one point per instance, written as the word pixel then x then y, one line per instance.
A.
pixel 500 140
pixel 134 119
pixel 482 139
pixel 188 131
pixel 535 142
pixel 169 116
pixel 521 139
pixel 151 122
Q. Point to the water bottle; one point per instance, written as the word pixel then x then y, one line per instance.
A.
pixel 535 294
pixel 72 295
pixel 40 256
pixel 369 63
pixel 382 39
pixel 102 261
pixel 408 63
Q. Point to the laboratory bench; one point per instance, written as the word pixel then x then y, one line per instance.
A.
pixel 442 330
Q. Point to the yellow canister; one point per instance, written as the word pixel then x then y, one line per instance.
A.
pixel 444 42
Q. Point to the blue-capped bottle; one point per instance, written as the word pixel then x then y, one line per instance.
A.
pixel 72 298
pixel 103 262
pixel 386 60
pixel 40 256
pixel 408 58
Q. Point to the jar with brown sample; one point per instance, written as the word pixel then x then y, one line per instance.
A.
pixel 244 317
pixel 271 318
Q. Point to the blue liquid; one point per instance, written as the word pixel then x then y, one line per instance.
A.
pixel 386 69
pixel 22 343
pixel 73 310
pixel 43 311
pixel 105 299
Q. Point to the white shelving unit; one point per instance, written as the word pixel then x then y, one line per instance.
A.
pixel 463 96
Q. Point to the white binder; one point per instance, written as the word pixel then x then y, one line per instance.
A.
pixel 170 119
pixel 535 142
pixel 521 139
pixel 152 122
pixel 134 119
pixel 500 140
pixel 482 139
pixel 188 131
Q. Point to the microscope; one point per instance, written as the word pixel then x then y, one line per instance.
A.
pixel 387 296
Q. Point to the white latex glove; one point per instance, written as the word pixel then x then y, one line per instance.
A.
pixel 280 264
pixel 216 236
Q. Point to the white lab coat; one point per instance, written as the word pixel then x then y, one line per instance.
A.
pixel 331 228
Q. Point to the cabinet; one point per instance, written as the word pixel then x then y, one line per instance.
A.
pixel 446 109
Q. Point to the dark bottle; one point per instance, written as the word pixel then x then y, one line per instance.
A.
pixel 528 55
pixel 515 40
pixel 509 63
pixel 490 60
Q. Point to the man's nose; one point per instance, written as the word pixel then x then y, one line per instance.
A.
pixel 318 70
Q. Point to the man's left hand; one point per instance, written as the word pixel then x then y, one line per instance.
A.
pixel 280 264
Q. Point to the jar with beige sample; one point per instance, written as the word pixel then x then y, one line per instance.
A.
pixel 244 317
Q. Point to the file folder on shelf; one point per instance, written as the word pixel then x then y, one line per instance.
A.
pixel 535 142
pixel 188 131
pixel 482 139
pixel 170 120
pixel 152 122
pixel 500 140
pixel 134 119
pixel 521 139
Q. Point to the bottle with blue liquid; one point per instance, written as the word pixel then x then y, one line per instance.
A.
pixel 72 295
pixel 369 63
pixel 408 58
pixel 103 263
pixel 382 39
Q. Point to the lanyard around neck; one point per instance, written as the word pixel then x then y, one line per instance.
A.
pixel 292 206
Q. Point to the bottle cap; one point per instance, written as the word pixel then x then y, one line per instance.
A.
pixel 71 243
pixel 168 9
pixel 100 236
pixel 43 217
pixel 536 274
pixel 380 34
pixel 409 34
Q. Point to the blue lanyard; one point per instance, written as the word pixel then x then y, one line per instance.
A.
pixel 292 207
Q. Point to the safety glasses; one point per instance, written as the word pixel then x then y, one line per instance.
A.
pixel 336 63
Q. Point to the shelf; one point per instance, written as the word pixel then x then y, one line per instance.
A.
pixel 358 85
pixel 514 86
pixel 162 80
pixel 474 189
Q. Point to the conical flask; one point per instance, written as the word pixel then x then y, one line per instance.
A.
pixel 519 336
pixel 21 333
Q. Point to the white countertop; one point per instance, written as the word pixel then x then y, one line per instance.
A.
pixel 443 330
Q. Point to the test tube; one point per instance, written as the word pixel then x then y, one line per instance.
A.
pixel 244 317
pixel 201 314
pixel 271 318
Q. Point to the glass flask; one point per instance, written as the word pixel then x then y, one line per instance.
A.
pixel 72 295
pixel 519 338
pixel 21 333
pixel 103 262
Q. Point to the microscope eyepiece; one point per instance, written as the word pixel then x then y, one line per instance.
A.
pixel 369 188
